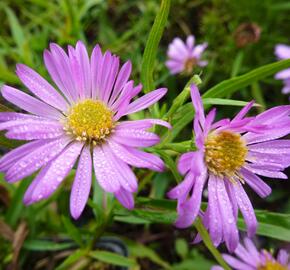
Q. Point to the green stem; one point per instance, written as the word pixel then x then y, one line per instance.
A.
pixel 207 241
pixel 182 97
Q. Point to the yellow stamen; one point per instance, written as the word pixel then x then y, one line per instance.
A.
pixel 225 154
pixel 270 265
pixel 89 120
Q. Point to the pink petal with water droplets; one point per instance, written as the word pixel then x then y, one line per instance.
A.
pixel 35 159
pixel 106 174
pixel 29 103
pixel 136 157
pixel 82 184
pixel 40 87
pixel 57 170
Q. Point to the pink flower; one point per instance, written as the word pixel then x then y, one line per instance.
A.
pixel 249 258
pixel 229 155
pixel 79 124
pixel 183 57
pixel 283 52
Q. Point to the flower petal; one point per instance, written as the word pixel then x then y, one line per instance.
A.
pixel 29 103
pixel 40 87
pixel 35 159
pixel 56 171
pixel 145 101
pixel 136 157
pixel 82 184
pixel 246 208
pixel 106 174
pixel 125 198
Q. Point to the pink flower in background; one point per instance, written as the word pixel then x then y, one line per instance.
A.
pixel 229 155
pixel 283 52
pixel 79 124
pixel 183 57
pixel 249 258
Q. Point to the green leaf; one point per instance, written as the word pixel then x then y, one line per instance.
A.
pixel 43 245
pixel 73 232
pixel 16 206
pixel 74 257
pixel 181 247
pixel 16 29
pixel 141 251
pixel 112 258
pixel 224 101
pixel 151 48
pixel 229 86
pixel 273 225
pixel 207 241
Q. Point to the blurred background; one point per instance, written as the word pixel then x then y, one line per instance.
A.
pixel 241 36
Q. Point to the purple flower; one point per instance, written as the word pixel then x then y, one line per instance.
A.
pixel 79 124
pixel 283 52
pixel 183 57
pixel 249 258
pixel 229 154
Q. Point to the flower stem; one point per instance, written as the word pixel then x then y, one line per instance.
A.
pixel 207 241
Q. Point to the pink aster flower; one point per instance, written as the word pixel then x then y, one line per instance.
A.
pixel 229 155
pixel 283 52
pixel 81 124
pixel 249 258
pixel 183 57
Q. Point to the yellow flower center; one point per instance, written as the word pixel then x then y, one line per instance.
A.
pixel 89 120
pixel 225 153
pixel 272 266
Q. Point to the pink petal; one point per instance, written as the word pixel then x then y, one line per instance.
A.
pixel 11 157
pixel 96 63
pixel 82 184
pixel 29 103
pixel 126 177
pixel 57 170
pixel 40 87
pixel 145 101
pixel 35 159
pixel 106 174
pixel 256 183
pixel 135 137
pixel 230 231
pixel 125 198
pixel 121 81
pixel 246 209
pixel 136 157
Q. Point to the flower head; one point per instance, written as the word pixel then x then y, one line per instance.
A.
pixel 184 57
pixel 283 52
pixel 79 124
pixel 229 155
pixel 249 258
pixel 247 33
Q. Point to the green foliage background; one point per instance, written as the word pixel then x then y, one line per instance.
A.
pixel 234 75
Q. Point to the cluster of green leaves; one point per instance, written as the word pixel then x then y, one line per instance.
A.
pixel 27 30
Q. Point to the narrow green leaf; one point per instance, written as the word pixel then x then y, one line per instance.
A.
pixel 16 29
pixel 224 101
pixel 16 205
pixel 140 251
pixel 43 245
pixel 151 48
pixel 74 257
pixel 112 258
pixel 229 86
pixel 73 232
pixel 207 241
